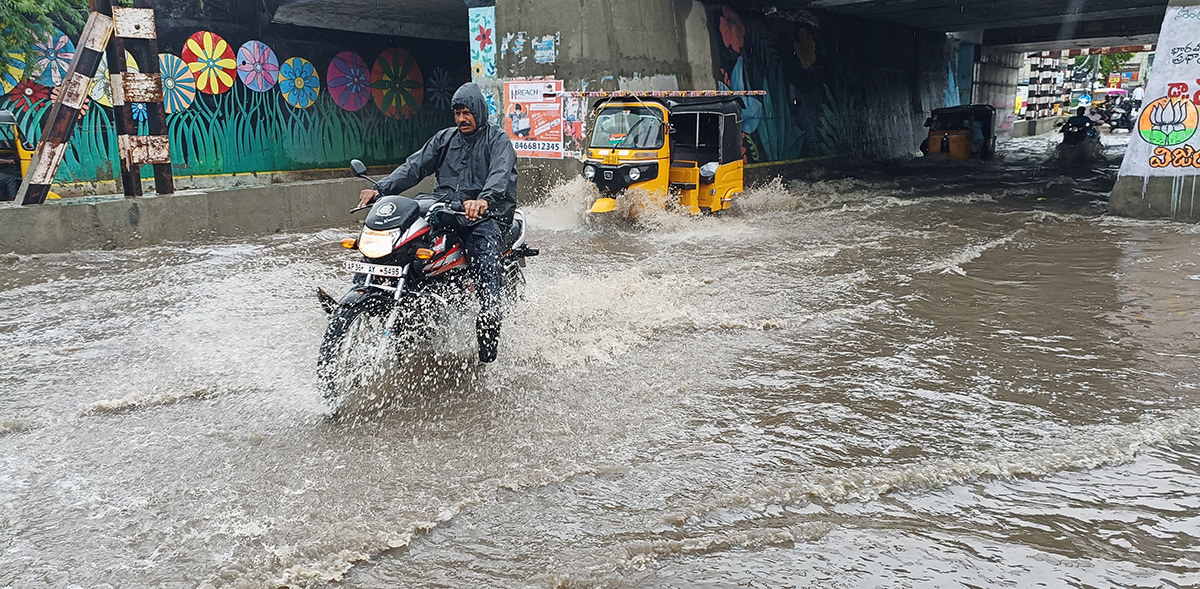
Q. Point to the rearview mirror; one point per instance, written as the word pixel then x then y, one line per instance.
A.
pixel 358 168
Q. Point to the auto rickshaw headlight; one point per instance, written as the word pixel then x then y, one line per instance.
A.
pixel 634 174
pixel 589 172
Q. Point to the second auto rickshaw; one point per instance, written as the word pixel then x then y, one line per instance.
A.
pixel 685 143
pixel 961 133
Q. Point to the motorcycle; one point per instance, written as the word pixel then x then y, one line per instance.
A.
pixel 412 279
pixel 1080 142
pixel 1120 118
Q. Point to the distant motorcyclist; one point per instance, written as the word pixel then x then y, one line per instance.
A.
pixel 1080 119
pixel 475 163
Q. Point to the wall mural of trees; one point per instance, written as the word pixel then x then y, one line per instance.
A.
pixel 826 97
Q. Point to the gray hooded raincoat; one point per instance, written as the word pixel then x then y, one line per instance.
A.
pixel 480 165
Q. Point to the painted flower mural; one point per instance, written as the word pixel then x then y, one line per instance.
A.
pixel 27 93
pixel 482 26
pixel 179 85
pixel 53 54
pixel 483 36
pixel 101 90
pixel 211 60
pixel 397 84
pixel 140 112
pixel 257 66
pixel 349 81
pixel 733 32
pixel 805 48
pixel 439 88
pixel 299 82
pixel 12 73
pixel 752 112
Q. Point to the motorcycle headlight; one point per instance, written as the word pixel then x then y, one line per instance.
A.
pixel 376 244
pixel 634 174
pixel 589 172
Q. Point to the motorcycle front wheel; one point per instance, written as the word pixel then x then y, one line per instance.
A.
pixel 353 351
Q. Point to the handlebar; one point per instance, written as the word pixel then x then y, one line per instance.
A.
pixel 453 207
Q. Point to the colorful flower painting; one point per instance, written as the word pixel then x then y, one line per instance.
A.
pixel 211 60
pixel 299 82
pixel 752 111
pixel 439 88
pixel 140 112
pixel 483 36
pixel 349 81
pixel 257 66
pixel 397 84
pixel 733 32
pixel 27 93
pixel 12 73
pixel 178 82
pixel 482 27
pixel 101 90
pixel 53 55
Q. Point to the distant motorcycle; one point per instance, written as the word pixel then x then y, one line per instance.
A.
pixel 1080 143
pixel 412 276
pixel 1120 117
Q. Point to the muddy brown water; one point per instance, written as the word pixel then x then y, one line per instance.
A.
pixel 912 377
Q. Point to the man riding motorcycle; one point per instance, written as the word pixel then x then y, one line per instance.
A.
pixel 1080 119
pixel 475 164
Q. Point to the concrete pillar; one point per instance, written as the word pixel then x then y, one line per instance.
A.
pixel 606 44
pixel 996 74
pixel 600 45
pixel 1159 174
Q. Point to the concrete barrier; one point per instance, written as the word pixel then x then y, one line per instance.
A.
pixel 1033 127
pixel 116 222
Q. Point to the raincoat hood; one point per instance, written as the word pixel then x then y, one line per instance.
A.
pixel 470 96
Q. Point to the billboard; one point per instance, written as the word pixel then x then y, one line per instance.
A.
pixel 533 117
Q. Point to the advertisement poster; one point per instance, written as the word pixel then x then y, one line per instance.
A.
pixel 533 117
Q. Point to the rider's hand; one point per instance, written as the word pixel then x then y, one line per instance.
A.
pixel 365 197
pixel 475 208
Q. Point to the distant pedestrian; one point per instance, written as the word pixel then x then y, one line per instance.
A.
pixel 1138 94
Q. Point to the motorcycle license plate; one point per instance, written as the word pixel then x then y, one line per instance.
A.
pixel 375 269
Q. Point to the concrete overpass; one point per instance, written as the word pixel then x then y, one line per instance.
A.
pixel 1015 25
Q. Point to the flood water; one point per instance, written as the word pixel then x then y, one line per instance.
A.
pixel 915 376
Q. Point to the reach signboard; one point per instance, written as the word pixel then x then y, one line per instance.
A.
pixel 533 117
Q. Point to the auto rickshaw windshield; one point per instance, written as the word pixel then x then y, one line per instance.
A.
pixel 632 127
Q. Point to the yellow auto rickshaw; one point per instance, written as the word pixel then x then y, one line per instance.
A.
pixel 961 133
pixel 666 143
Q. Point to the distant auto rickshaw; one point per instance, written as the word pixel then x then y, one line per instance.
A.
pixel 666 143
pixel 15 153
pixel 961 133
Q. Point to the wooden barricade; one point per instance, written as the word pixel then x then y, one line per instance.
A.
pixel 114 30
pixel 65 112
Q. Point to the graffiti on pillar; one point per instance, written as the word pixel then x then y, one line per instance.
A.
pixel 239 106
pixel 1166 125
